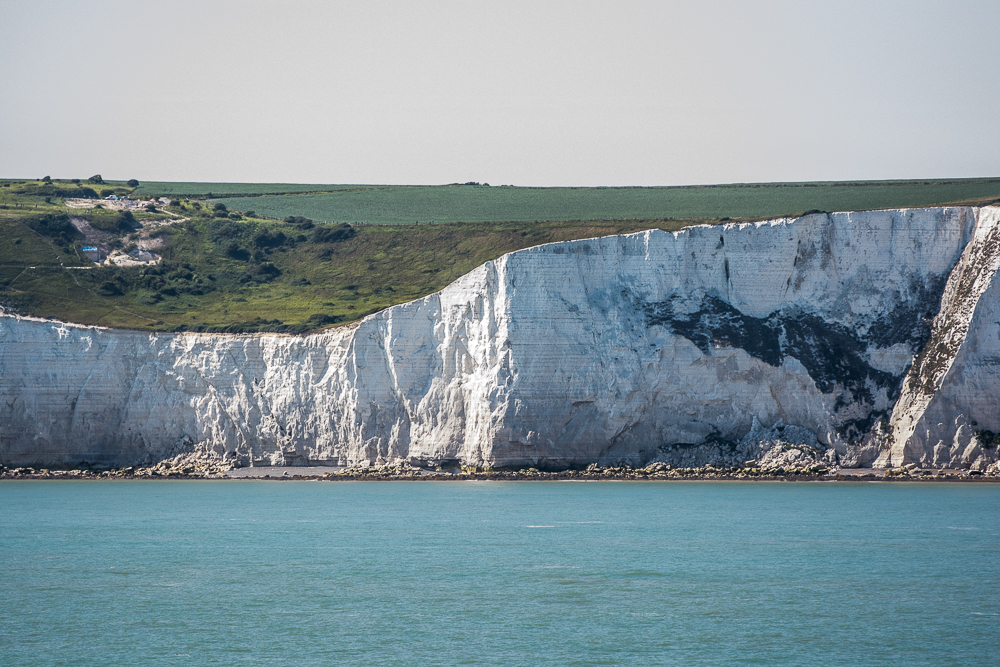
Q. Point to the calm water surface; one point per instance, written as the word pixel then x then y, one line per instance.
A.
pixel 311 573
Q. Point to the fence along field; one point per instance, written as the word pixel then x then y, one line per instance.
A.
pixel 474 203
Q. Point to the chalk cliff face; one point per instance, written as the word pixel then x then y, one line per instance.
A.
pixel 710 344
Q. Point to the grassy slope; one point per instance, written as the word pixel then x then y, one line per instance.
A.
pixel 300 283
pixel 204 289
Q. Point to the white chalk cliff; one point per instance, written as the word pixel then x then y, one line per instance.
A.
pixel 709 344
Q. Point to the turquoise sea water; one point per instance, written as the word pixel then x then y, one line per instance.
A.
pixel 489 573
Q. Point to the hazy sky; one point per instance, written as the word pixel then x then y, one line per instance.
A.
pixel 527 93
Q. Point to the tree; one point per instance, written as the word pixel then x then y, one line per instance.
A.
pixel 132 183
pixel 96 178
pixel 46 178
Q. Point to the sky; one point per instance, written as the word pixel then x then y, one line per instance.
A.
pixel 525 93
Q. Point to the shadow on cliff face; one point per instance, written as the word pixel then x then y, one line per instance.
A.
pixel 835 356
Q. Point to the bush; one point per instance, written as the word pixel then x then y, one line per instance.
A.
pixel 109 288
pixel 132 183
pixel 267 269
pixel 264 272
pixel 319 319
pixel 299 221
pixel 46 178
pixel 235 251
pixel 106 192
pixel 53 190
pixel 54 226
pixel 126 221
pixel 332 233
pixel 987 438
pixel 96 179
pixel 221 230
pixel 220 207
pixel 268 239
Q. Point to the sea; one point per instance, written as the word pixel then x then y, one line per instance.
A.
pixel 258 572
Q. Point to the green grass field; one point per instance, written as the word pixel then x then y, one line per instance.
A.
pixel 198 190
pixel 464 203
pixel 222 271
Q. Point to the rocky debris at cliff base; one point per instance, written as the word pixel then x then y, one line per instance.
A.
pixel 778 447
pixel 198 467
pixel 199 463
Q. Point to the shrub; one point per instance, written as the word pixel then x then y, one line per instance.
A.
pixel 220 207
pixel 268 239
pixel 225 230
pixel 332 233
pixel 987 438
pixel 109 288
pixel 132 183
pixel 125 222
pixel 299 221
pixel 53 190
pixel 54 226
pixel 106 192
pixel 96 179
pixel 235 251
pixel 267 269
pixel 264 272
pixel 46 178
pixel 319 319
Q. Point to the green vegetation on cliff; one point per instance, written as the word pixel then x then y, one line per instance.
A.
pixel 259 263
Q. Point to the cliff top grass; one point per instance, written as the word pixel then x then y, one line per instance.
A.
pixel 480 202
pixel 260 263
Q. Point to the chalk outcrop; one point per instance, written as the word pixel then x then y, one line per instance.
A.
pixel 857 338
